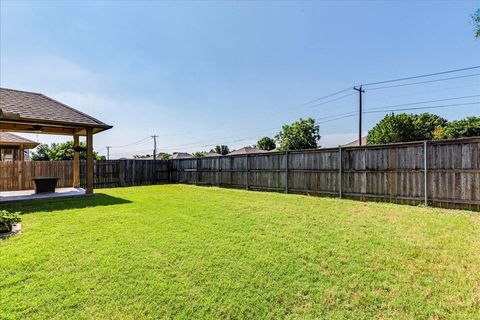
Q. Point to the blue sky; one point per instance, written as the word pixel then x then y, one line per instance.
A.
pixel 202 73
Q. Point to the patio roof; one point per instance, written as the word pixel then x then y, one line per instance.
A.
pixel 24 111
pixel 9 139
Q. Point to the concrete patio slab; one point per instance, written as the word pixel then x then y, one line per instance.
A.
pixel 29 195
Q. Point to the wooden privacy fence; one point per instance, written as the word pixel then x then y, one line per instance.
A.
pixel 440 173
pixel 17 175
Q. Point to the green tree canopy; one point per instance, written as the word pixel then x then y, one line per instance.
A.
pixel 221 149
pixel 476 23
pixel 468 127
pixel 302 134
pixel 266 143
pixel 142 156
pixel 41 152
pixel 165 156
pixel 61 151
pixel 198 154
pixel 404 127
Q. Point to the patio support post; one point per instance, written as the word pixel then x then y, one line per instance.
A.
pixel 21 155
pixel 89 161
pixel 76 162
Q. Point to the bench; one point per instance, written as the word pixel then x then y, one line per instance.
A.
pixel 45 184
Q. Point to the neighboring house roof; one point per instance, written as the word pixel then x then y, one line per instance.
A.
pixel 181 155
pixel 31 107
pixel 9 139
pixel 246 150
pixel 355 143
pixel 159 156
pixel 212 154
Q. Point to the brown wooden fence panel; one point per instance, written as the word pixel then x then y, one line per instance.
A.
pixel 394 172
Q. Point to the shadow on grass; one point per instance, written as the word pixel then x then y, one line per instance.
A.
pixel 96 200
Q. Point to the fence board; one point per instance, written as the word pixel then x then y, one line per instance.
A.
pixel 382 173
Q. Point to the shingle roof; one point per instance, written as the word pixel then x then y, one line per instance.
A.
pixel 13 139
pixel 355 143
pixel 36 106
pixel 181 155
pixel 246 150
pixel 212 154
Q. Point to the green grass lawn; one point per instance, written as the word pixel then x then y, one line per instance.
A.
pixel 192 252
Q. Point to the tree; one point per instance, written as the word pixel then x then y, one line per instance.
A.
pixel 142 156
pixel 41 153
pixel 426 124
pixel 468 127
pixel 302 134
pixel 165 156
pixel 404 127
pixel 266 143
pixel 476 21
pixel 198 154
pixel 61 151
pixel 223 150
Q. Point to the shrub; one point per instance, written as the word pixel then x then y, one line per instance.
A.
pixel 7 220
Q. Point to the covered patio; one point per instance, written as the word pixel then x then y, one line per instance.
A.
pixel 30 112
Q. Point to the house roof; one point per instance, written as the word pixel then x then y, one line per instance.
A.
pixel 246 150
pixel 159 156
pixel 9 139
pixel 22 107
pixel 181 155
pixel 212 154
pixel 355 143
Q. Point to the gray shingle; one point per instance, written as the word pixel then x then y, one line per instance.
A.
pixel 36 106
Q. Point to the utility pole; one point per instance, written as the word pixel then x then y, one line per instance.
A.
pixel 154 147
pixel 108 152
pixel 360 91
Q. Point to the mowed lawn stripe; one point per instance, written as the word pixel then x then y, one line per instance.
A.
pixel 179 251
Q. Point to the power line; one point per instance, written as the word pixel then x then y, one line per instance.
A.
pixel 341 97
pixel 396 80
pixel 327 96
pixel 427 107
pixel 325 120
pixel 429 101
pixel 420 76
pixel 397 105
pixel 341 116
pixel 131 144
pixel 420 82
pixel 421 92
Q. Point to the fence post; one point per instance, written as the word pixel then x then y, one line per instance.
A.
pixel 246 171
pixel 134 171
pixel 340 171
pixel 286 171
pixel 425 172
pixel 196 170
pixel 218 171
pixel 20 174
